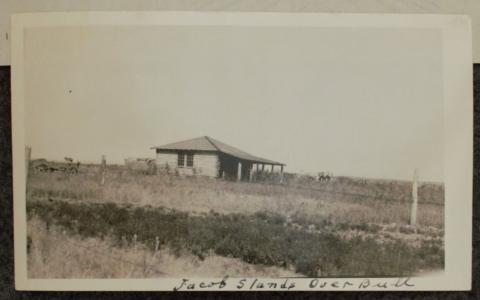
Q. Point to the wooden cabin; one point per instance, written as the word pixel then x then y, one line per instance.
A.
pixel 205 156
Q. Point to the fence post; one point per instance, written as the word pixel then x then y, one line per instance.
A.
pixel 103 169
pixel 28 154
pixel 239 171
pixel 413 212
pixel 157 243
pixel 135 243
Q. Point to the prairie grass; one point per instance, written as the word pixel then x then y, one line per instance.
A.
pixel 345 201
pixel 54 253
pixel 261 239
pixel 347 227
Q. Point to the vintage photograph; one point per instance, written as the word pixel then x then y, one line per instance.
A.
pixel 187 151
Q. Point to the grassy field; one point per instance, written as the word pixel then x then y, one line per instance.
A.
pixel 90 257
pixel 346 227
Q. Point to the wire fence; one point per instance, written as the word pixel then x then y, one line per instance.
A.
pixel 147 266
pixel 148 263
pixel 379 196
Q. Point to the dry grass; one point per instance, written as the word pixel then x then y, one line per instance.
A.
pixel 54 253
pixel 217 227
pixel 330 203
pixel 262 238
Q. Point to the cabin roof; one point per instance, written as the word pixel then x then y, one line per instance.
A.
pixel 206 143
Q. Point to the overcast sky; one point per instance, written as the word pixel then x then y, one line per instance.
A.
pixel 359 102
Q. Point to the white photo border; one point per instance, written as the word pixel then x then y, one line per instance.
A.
pixel 458 136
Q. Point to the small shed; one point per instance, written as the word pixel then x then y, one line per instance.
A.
pixel 205 156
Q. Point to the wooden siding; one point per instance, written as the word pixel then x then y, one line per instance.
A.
pixel 204 163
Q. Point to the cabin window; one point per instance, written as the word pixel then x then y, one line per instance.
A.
pixel 190 160
pixel 185 160
pixel 181 159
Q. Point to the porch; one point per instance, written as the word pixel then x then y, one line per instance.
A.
pixel 237 169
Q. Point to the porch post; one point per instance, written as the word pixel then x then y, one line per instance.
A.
pixel 239 171
pixel 263 167
pixel 281 173
pixel 257 167
pixel 251 173
pixel 271 171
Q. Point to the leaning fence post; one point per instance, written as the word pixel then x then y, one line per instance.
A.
pixel 413 212
pixel 28 154
pixel 103 169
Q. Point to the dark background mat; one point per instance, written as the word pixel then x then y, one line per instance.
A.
pixel 7 286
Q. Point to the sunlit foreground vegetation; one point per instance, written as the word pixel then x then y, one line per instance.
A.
pixel 166 226
pixel 57 253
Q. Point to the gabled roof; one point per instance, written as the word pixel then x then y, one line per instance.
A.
pixel 206 143
pixel 199 144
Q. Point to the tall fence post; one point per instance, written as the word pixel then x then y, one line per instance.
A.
pixel 413 212
pixel 28 154
pixel 103 169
